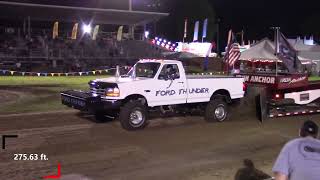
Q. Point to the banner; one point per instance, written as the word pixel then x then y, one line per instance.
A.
pixel 185 28
pixel 95 32
pixel 55 33
pixel 197 48
pixel 204 30
pixel 196 31
pixel 119 35
pixel 74 31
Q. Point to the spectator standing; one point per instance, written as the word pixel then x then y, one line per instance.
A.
pixel 206 63
pixel 242 67
pixel 300 158
pixel 18 66
pixel 249 172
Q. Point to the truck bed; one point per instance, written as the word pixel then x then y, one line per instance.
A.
pixel 209 76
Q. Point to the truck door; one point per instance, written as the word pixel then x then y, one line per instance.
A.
pixel 170 87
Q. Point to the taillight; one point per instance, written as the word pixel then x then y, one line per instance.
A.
pixel 244 87
pixel 277 96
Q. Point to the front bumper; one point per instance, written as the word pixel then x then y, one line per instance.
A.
pixel 85 101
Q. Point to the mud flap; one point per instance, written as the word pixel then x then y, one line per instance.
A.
pixel 262 105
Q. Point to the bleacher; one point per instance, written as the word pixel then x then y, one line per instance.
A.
pixel 63 52
pixel 32 47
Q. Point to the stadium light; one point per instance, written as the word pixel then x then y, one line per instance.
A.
pixel 86 28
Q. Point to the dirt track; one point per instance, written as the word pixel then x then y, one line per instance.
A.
pixel 175 148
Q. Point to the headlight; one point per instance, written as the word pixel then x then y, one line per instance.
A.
pixel 113 92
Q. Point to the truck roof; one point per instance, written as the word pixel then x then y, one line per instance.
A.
pixel 158 60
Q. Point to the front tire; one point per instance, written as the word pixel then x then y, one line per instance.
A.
pixel 133 116
pixel 217 110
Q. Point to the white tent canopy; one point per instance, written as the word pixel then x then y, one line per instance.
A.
pixel 264 50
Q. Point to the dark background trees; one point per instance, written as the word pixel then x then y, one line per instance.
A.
pixel 172 27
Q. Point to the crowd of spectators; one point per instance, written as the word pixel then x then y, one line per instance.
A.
pixel 44 47
pixel 24 50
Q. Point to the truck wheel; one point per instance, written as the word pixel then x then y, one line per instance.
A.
pixel 216 110
pixel 133 116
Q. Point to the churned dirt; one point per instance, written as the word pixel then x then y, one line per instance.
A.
pixel 185 148
pixel 7 97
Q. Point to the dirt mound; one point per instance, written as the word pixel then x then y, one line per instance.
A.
pixel 8 96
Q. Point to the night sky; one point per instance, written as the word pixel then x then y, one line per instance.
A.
pixel 255 17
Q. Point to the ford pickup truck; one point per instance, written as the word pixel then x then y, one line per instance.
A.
pixel 156 84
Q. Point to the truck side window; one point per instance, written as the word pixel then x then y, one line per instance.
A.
pixel 169 70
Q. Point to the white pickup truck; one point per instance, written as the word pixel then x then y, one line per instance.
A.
pixel 156 84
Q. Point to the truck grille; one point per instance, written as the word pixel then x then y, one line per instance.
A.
pixel 100 92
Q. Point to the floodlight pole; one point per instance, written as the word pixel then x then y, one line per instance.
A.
pixel 29 27
pixel 218 39
pixel 276 41
pixel 130 5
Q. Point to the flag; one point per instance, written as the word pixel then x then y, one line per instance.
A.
pixel 55 33
pixel 95 32
pixel 232 51
pixel 204 30
pixel 119 35
pixel 74 31
pixel 287 54
pixel 196 31
pixel 185 28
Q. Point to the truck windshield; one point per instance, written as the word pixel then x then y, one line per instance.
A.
pixel 147 70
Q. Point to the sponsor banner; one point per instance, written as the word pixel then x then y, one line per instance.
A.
pixel 260 79
pixel 74 31
pixel 292 81
pixel 197 48
pixel 119 34
pixel 185 28
pixel 279 82
pixel 95 32
pixel 55 32
pixel 196 31
pixel 204 29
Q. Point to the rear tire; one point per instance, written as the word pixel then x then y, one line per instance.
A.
pixel 133 116
pixel 217 110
